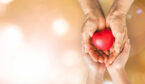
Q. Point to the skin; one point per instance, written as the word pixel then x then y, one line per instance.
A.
pixel 96 70
pixel 117 69
pixel 94 58
pixel 116 20
pixel 95 21
pixel 117 56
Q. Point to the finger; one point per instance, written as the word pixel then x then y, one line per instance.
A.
pixel 94 55
pixel 125 53
pixel 101 24
pixel 103 55
pixel 122 57
pixel 119 35
pixel 108 22
pixel 86 41
pixel 106 52
pixel 91 26
pixel 112 58
pixel 118 43
pixel 112 50
pixel 93 52
pixel 100 59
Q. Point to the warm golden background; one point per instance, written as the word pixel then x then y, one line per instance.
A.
pixel 40 42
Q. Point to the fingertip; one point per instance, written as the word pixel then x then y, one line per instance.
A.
pixel 107 63
pixel 100 59
pixel 106 52
pixel 94 59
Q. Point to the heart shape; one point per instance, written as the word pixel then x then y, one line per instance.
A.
pixel 103 40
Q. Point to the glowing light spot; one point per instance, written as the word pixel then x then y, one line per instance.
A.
pixel 107 82
pixel 5 1
pixel 139 11
pixel 28 65
pixel 12 37
pixel 71 58
pixel 60 26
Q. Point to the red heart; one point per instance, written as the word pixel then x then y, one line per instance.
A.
pixel 103 40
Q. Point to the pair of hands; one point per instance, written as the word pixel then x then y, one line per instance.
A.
pixel 117 56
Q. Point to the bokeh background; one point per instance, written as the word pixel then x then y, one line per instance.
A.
pixel 40 42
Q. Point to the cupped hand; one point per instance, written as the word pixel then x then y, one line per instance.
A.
pixel 121 60
pixel 116 21
pixel 95 21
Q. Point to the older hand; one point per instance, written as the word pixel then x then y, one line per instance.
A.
pixel 116 20
pixel 117 24
pixel 95 21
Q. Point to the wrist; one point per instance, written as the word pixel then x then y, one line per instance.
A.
pixel 95 15
pixel 119 76
pixel 95 12
pixel 97 75
pixel 123 6
pixel 97 72
pixel 95 7
pixel 95 78
pixel 115 70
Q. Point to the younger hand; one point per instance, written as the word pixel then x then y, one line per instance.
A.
pixel 121 60
pixel 95 67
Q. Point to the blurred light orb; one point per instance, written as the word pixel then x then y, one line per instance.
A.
pixel 4 6
pixel 60 26
pixel 27 64
pixel 5 1
pixel 71 58
pixel 12 36
pixel 107 82
pixel 139 11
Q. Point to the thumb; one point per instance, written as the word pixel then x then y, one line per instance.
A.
pixel 119 38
